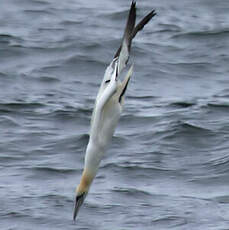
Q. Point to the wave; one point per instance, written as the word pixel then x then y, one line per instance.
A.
pixel 81 60
pixel 55 170
pixel 69 113
pixel 7 38
pixel 219 165
pixel 136 167
pixel 10 158
pixel 38 12
pixel 40 2
pixel 223 94
pixel 169 221
pixel 3 75
pixel 166 27
pixel 192 127
pixel 13 107
pixel 70 22
pixel 222 199
pixel 72 142
pixel 140 97
pixel 56 197
pixel 8 121
pixel 182 104
pixel 223 105
pixel 202 34
pixel 182 133
pixel 132 192
pixel 48 79
pixel 16 214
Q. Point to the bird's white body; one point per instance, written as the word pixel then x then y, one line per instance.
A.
pixel 108 106
pixel 105 117
pixel 101 135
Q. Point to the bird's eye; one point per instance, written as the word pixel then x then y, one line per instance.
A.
pixel 107 81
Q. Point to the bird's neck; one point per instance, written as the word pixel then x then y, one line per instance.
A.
pixel 85 181
pixel 94 154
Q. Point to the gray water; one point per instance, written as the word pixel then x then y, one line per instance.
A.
pixel 168 165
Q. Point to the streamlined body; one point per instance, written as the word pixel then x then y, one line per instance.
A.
pixel 108 106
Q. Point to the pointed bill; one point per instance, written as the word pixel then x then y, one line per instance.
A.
pixel 78 202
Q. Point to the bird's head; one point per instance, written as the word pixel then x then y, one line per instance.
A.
pixel 81 192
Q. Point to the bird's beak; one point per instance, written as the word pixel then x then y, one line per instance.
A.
pixel 78 202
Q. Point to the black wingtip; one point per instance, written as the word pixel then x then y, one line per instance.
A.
pixel 153 13
pixel 143 22
pixel 131 30
pixel 130 25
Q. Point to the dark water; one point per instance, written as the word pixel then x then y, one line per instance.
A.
pixel 168 166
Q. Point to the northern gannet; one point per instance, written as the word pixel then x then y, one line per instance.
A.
pixel 108 106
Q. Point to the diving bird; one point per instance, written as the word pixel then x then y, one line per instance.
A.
pixel 108 106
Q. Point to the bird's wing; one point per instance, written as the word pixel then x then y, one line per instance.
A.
pixel 130 32
pixel 120 60
pixel 142 23
pixel 123 85
pixel 101 100
pixel 124 50
pixel 105 118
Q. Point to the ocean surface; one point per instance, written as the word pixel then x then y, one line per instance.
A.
pixel 168 164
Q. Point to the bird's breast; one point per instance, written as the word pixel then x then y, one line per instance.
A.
pixel 110 117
